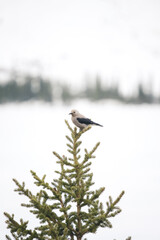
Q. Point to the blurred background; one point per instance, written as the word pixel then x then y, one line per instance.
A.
pixel 101 57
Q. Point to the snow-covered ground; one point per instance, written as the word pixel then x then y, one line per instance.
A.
pixel 127 159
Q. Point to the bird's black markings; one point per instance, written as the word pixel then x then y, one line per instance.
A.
pixel 87 121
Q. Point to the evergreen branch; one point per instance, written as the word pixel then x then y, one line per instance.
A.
pixel 111 206
pixel 69 146
pixel 94 149
pixel 118 198
pixel 69 126
pixel 20 229
pixel 21 189
pixel 8 238
pixel 84 130
pixel 45 185
pixel 74 209
pixel 58 156
pixel 42 211
pixel 69 139
pixel 97 193
pixel 68 222
pixel 89 155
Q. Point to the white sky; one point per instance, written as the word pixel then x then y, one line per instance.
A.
pixel 70 39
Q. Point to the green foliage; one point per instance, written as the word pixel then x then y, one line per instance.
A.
pixel 67 208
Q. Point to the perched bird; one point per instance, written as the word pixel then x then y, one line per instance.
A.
pixel 81 121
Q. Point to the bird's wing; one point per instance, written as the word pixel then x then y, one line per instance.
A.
pixel 86 121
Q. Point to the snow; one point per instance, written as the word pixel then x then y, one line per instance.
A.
pixel 127 159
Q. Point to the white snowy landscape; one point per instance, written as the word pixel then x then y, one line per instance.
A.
pixel 127 159
pixel 71 41
pixel 67 40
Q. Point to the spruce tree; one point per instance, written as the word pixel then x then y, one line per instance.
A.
pixel 68 208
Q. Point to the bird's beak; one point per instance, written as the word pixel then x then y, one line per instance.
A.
pixel 70 113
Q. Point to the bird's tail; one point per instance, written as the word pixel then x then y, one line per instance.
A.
pixel 97 124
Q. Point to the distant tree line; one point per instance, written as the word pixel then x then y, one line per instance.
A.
pixel 140 95
pixel 25 87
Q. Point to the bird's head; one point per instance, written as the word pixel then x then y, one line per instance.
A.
pixel 74 112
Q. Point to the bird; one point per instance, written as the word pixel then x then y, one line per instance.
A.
pixel 81 121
